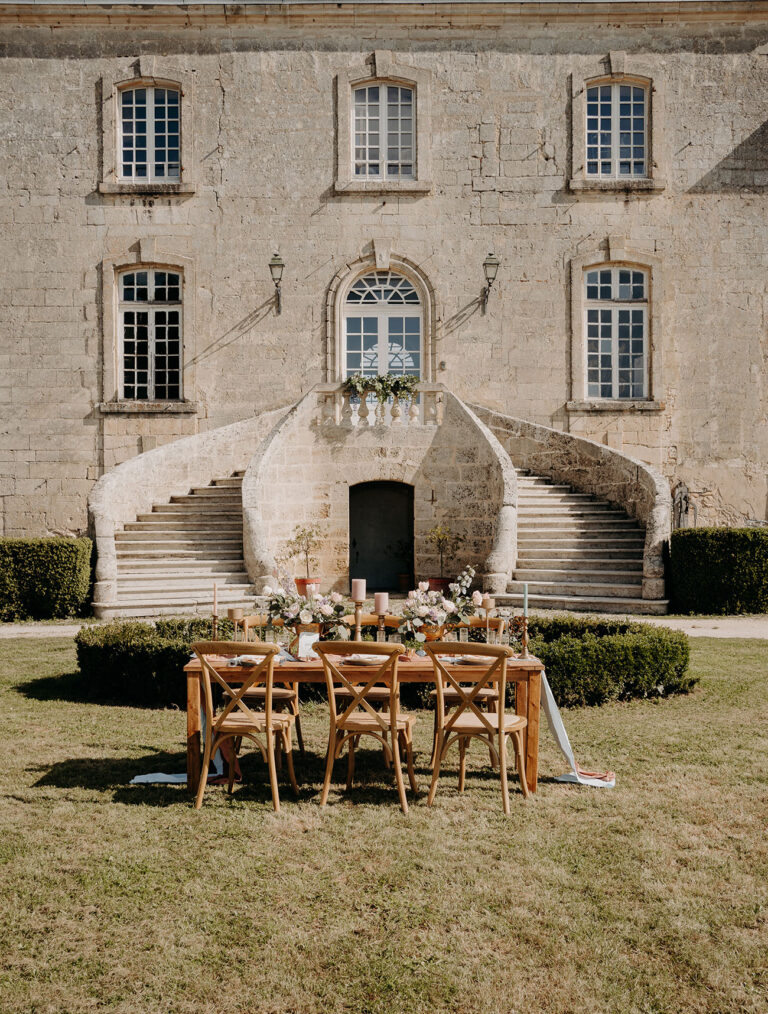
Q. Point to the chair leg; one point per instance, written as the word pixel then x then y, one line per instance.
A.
pixel 398 772
pixel 329 766
pixel 434 739
pixel 278 752
pixel 231 778
pixel 272 772
pixel 203 773
pixel 289 760
pixel 438 753
pixel 503 771
pixel 462 762
pixel 299 736
pixel 409 758
pixel 517 739
pixel 350 761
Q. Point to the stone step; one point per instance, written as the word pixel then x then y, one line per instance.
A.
pixel 532 561
pixel 142 563
pixel 194 539
pixel 215 492
pixel 219 527
pixel 526 499
pixel 618 547
pixel 543 484
pixel 594 551
pixel 175 552
pixel 606 533
pixel 192 514
pixel 202 505
pixel 533 575
pixel 605 589
pixel 586 603
pixel 235 481
pixel 224 597
pixel 557 511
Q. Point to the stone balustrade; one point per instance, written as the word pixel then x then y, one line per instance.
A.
pixel 339 408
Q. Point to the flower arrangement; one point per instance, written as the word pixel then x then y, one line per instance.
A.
pixel 296 610
pixel 466 602
pixel 388 385
pixel 425 608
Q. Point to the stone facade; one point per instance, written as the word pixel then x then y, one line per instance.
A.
pixel 261 153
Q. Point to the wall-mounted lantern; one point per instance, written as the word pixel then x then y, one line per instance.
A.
pixel 490 267
pixel 276 266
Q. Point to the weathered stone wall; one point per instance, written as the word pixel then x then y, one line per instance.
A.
pixel 260 108
pixel 459 472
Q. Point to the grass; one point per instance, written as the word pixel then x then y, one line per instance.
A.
pixel 645 899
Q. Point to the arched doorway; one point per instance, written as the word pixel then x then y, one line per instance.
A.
pixel 381 534
pixel 382 326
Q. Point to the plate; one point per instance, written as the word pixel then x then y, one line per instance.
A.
pixel 365 659
pixel 463 659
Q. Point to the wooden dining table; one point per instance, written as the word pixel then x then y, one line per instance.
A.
pixel 525 673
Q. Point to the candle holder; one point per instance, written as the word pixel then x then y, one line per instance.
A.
pixel 488 604
pixel 381 633
pixel 359 619
pixel 524 638
pixel 215 627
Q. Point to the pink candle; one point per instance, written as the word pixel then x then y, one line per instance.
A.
pixel 358 589
pixel 381 600
pixel 215 610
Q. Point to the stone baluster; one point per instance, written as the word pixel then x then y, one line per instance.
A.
pixel 363 412
pixel 381 413
pixel 430 408
pixel 346 409
pixel 414 410
pixel 396 412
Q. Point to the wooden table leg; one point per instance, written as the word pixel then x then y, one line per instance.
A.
pixel 532 742
pixel 193 732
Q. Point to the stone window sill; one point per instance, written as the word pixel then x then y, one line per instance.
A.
pixel 615 406
pixel 148 407
pixel 383 186
pixel 618 186
pixel 126 187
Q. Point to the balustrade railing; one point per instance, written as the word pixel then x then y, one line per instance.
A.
pixel 339 408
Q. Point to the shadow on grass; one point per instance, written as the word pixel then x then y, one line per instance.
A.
pixel 74 688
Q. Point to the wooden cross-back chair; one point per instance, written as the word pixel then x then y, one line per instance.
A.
pixel 285 696
pixel 466 720
pixel 237 720
pixel 377 694
pixel 350 721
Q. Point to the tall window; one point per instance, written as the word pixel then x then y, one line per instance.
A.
pixel 617 332
pixel 384 134
pixel 150 134
pixel 617 131
pixel 382 326
pixel 150 327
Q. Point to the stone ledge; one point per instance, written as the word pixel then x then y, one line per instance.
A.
pixel 383 187
pixel 159 189
pixel 615 406
pixel 148 407
pixel 628 186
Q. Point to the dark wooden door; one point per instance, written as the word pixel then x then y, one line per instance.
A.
pixel 381 534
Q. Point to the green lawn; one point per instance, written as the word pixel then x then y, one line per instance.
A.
pixel 652 897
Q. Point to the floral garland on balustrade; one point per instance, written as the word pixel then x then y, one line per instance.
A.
pixel 425 608
pixel 296 610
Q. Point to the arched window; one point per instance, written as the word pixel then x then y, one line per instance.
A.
pixel 150 334
pixel 149 134
pixel 617 130
pixel 382 326
pixel 616 329
pixel 384 132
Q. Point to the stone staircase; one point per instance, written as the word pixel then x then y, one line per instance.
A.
pixel 168 560
pixel 576 552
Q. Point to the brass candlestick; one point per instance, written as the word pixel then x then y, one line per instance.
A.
pixel 381 634
pixel 358 620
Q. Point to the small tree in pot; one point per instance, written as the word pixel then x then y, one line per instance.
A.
pixel 446 542
pixel 305 541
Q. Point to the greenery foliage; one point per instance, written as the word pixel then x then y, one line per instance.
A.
pixel 390 385
pixel 44 579
pixel 305 541
pixel 719 570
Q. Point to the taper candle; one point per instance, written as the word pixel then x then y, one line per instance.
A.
pixel 381 600
pixel 525 598
pixel 215 601
pixel 358 589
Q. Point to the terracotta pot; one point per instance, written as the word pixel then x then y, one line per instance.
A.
pixel 439 584
pixel 302 582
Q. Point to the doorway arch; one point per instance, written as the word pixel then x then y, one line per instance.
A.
pixel 381 534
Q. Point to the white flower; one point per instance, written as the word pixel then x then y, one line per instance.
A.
pixel 279 591
pixel 305 615
pixel 336 598
pixel 450 607
pixel 423 610
pixel 477 598
pixel 266 590
pixel 423 585
pixel 419 636
pixel 326 609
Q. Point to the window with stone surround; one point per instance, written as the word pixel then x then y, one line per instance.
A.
pixel 382 137
pixel 149 321
pixel 382 326
pixel 149 134
pixel 616 332
pixel 617 123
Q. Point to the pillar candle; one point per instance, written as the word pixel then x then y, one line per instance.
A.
pixel 358 589
pixel 525 598
pixel 382 603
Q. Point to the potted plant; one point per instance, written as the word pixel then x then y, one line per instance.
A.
pixel 306 539
pixel 446 542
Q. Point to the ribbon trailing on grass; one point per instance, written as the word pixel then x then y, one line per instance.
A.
pixel 606 780
pixel 161 778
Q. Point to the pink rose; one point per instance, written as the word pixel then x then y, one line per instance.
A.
pixel 477 598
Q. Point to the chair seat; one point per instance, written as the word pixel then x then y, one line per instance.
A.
pixel 451 696
pixel 469 722
pixel 242 723
pixel 361 721
pixel 278 693
pixel 376 694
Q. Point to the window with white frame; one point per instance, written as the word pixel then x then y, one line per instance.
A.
pixel 149 134
pixel 383 130
pixel 382 326
pixel 617 130
pixel 150 334
pixel 616 329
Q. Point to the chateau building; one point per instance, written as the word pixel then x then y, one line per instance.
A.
pixel 553 214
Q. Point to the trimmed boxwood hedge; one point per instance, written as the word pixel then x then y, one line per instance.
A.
pixel 44 579
pixel 588 661
pixel 719 570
